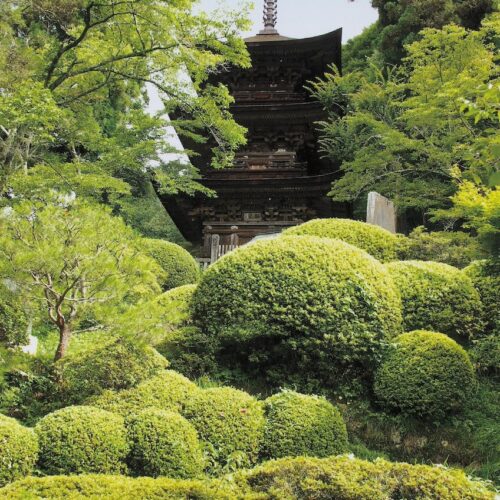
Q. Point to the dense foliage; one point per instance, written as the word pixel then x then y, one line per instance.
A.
pixel 426 374
pixel 300 425
pixel 375 240
pixel 230 422
pixel 437 297
pixel 179 267
pixel 298 307
pixel 119 364
pixel 167 391
pixel 164 444
pixel 82 439
pixel 18 450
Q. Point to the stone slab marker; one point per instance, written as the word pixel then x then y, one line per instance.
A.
pixel 381 212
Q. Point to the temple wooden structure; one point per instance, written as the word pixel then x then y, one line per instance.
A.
pixel 279 179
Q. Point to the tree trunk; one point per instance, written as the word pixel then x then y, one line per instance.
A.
pixel 64 338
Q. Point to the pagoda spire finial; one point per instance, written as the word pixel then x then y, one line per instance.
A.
pixel 270 17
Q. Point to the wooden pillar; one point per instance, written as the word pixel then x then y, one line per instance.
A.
pixel 234 242
pixel 214 248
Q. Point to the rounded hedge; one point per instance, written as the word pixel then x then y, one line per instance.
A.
pixel 379 242
pixel 426 374
pixel 297 424
pixel 437 297
pixel 299 304
pixel 95 486
pixel 164 444
pixel 485 276
pixel 348 478
pixel 176 305
pixel 116 365
pixel 179 266
pixel 229 421
pixel 18 450
pixel 82 439
pixel 167 391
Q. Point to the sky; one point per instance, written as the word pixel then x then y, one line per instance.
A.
pixel 300 19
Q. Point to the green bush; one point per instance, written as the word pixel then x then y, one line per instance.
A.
pixel 449 247
pixel 18 450
pixel 297 424
pixel 117 488
pixel 485 354
pixel 437 297
pixel 176 304
pixel 119 364
pixel 485 276
pixel 426 374
pixel 347 478
pixel 375 240
pixel 164 444
pixel 230 422
pixel 167 391
pixel 298 306
pixel 82 439
pixel 13 321
pixel 179 266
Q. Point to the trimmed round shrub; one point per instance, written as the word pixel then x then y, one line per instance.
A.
pixel 426 374
pixel 375 240
pixel 116 365
pixel 347 478
pixel 167 391
pixel 229 421
pixel 297 424
pixel 485 354
pixel 18 450
pixel 82 439
pixel 485 276
pixel 179 266
pixel 437 297
pixel 176 305
pixel 164 444
pixel 95 486
pixel 298 306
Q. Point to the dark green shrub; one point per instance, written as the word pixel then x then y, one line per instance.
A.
pixel 82 439
pixel 485 354
pixel 449 247
pixel 437 297
pixel 164 444
pixel 347 478
pixel 167 391
pixel 190 352
pixel 179 266
pixel 485 276
pixel 230 422
pixel 18 450
pixel 298 306
pixel 297 424
pixel 119 364
pixel 426 374
pixel 117 488
pixel 375 240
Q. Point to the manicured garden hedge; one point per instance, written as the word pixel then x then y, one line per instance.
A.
pixel 229 421
pixel 437 297
pixel 347 478
pixel 426 374
pixel 299 305
pixel 18 450
pixel 379 242
pixel 95 487
pixel 167 391
pixel 179 266
pixel 82 439
pixel 116 365
pixel 164 444
pixel 297 424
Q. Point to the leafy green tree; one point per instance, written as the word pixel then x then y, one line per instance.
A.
pixel 404 132
pixel 92 61
pixel 74 261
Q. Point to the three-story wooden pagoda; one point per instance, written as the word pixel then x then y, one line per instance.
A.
pixel 279 178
